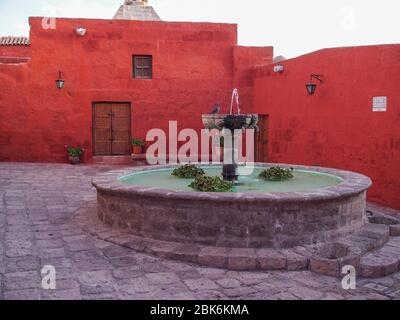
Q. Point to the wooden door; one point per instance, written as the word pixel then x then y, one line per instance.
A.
pixel 121 129
pixel 261 143
pixel 102 132
pixel 111 129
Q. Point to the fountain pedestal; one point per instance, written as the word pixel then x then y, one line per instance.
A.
pixel 231 122
pixel 230 172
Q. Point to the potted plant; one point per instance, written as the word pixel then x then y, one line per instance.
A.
pixel 74 154
pixel 137 146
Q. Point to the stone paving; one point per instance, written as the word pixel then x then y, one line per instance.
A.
pixel 36 229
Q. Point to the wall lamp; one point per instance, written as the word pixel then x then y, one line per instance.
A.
pixel 80 31
pixel 279 68
pixel 312 86
pixel 60 81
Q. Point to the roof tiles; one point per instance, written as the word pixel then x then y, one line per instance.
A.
pixel 14 41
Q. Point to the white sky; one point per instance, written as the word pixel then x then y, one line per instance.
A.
pixel 293 27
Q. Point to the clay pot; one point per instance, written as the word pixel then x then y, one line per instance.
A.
pixel 137 149
pixel 74 160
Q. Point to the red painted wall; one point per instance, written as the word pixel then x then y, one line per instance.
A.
pixel 196 65
pixel 336 127
pixel 193 68
pixel 15 51
pixel 245 58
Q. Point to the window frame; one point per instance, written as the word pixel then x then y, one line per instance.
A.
pixel 142 66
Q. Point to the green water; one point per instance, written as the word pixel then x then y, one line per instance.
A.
pixel 302 181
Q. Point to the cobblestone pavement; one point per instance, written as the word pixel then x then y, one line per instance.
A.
pixel 36 229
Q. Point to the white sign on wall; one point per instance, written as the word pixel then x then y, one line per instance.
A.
pixel 379 104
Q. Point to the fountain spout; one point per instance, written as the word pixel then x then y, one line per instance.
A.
pixel 231 122
pixel 235 98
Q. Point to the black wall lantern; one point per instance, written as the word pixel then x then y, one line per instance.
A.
pixel 312 86
pixel 60 82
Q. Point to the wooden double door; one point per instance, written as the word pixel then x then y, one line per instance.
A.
pixel 111 128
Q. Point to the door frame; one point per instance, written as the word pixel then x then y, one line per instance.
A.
pixel 94 123
pixel 257 150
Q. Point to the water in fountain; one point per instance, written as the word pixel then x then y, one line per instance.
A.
pixel 235 97
pixel 303 180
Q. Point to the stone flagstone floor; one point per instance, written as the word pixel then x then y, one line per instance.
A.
pixel 36 229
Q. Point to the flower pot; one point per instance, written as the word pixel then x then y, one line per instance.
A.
pixel 74 160
pixel 137 149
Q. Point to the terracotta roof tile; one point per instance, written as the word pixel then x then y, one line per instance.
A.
pixel 14 41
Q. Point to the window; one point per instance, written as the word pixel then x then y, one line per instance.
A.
pixel 142 67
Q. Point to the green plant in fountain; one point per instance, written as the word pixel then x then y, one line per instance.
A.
pixel 74 152
pixel 211 184
pixel 276 174
pixel 188 171
pixel 139 143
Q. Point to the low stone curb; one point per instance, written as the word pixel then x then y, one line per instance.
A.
pixel 395 230
pixel 392 220
pixel 332 257
pixel 240 259
pixel 377 265
pixel 327 258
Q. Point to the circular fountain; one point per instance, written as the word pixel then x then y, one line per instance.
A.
pixel 318 205
pixel 161 211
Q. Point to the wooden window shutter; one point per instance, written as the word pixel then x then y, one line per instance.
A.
pixel 143 67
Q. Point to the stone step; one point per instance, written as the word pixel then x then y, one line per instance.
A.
pixel 394 242
pixel 332 257
pixel 324 258
pixel 382 262
pixel 395 230
pixel 370 237
pixel 112 160
pixel 377 232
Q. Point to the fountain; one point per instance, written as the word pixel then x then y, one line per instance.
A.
pixel 231 122
pixel 167 217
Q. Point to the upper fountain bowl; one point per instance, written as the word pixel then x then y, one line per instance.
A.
pixel 230 121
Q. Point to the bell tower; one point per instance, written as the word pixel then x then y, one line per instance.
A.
pixel 136 10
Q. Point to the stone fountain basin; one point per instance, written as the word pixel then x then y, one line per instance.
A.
pixel 230 121
pixel 234 220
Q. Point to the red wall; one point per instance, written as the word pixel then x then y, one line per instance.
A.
pixel 15 51
pixel 336 127
pixel 193 68
pixel 196 65
pixel 245 58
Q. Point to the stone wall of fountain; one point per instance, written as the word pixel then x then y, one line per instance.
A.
pixel 233 219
